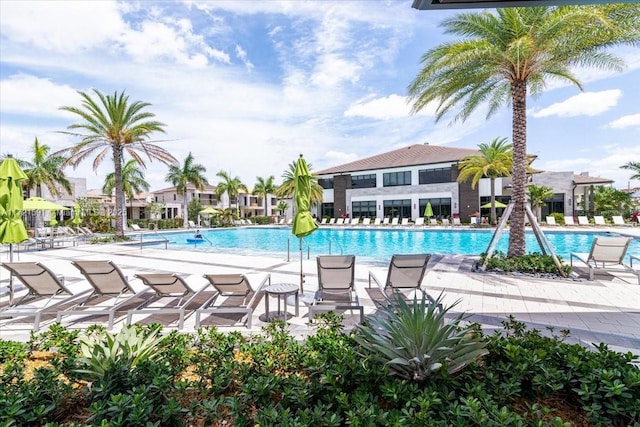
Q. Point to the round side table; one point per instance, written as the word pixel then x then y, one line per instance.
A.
pixel 281 291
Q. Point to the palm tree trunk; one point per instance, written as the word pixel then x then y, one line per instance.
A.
pixel 517 243
pixel 120 205
pixel 185 214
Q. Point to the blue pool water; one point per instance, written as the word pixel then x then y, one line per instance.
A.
pixel 374 243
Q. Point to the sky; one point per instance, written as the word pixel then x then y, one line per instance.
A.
pixel 248 86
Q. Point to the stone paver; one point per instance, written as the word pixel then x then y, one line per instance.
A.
pixel 605 310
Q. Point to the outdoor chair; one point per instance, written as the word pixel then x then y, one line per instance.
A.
pixel 355 221
pixel 324 221
pixel 135 227
pixel 191 224
pixel 234 294
pixel 172 295
pixel 377 221
pixel 583 220
pixel 405 221
pixel 336 285
pixel 46 292
pixel 111 291
pixel 618 220
pixel 366 221
pixel 395 221
pixel 568 220
pixel 332 221
pixel 419 222
pixel 551 220
pixel 340 221
pixel 599 220
pixel 385 221
pixel 445 222
pixel 405 273
pixel 433 222
pixel 607 253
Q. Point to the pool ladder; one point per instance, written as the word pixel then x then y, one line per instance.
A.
pixel 302 241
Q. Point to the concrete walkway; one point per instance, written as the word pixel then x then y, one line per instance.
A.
pixel 604 310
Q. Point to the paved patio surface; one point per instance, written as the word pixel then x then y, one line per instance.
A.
pixel 604 310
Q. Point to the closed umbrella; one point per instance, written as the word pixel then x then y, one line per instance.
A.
pixel 428 210
pixel 303 222
pixel 12 228
pixel 76 220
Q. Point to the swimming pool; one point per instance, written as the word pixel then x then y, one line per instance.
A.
pixel 374 243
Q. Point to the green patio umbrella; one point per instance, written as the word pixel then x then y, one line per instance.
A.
pixel 76 220
pixel 303 222
pixel 12 228
pixel 209 211
pixel 40 204
pixel 498 205
pixel 428 210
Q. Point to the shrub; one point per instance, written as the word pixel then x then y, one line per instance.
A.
pixel 528 263
pixel 415 342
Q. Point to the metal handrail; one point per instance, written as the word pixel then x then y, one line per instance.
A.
pixel 339 245
pixel 155 233
pixel 301 242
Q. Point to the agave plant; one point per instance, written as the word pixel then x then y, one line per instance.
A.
pixel 414 340
pixel 129 347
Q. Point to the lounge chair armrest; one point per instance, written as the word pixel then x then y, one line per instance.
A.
pixel 266 281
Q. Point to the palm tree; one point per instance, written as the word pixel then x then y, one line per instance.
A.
pixel 46 170
pixel 263 188
pixel 633 166
pixel 288 187
pixel 113 124
pixel 182 176
pixel 495 160
pixel 538 194
pixel 133 181
pixel 506 55
pixel 231 186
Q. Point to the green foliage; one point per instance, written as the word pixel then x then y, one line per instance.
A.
pixel 559 217
pixel 415 342
pixel 262 220
pixel 12 350
pixel 535 263
pixel 329 379
pixel 193 209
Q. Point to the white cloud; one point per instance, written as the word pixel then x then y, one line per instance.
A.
pixel 61 26
pixel 584 104
pixel 389 107
pixel 242 55
pixel 632 120
pixel 31 95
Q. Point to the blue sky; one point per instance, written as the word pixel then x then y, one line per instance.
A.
pixel 246 86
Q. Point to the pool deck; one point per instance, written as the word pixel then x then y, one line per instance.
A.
pixel 606 309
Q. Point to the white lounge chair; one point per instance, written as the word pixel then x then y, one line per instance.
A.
pixel 551 220
pixel 395 221
pixel 456 221
pixel 355 221
pixel 568 220
pixel 336 285
pixel 445 222
pixel 607 253
pixel 234 294
pixel 46 292
pixel 385 221
pixel 191 224
pixel 405 221
pixel 433 222
pixel 332 221
pixel 324 221
pixel 599 220
pixel 583 220
pixel 618 220
pixel 377 221
pixel 419 222
pixel 340 221
pixel 366 221
pixel 135 227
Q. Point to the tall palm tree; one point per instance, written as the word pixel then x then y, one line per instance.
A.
pixel 263 188
pixel 537 195
pixel 45 169
pixel 181 176
pixel 495 160
pixel 509 53
pixel 231 186
pixel 112 124
pixel 288 186
pixel 133 181
pixel 634 167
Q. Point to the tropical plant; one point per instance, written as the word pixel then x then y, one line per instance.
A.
pixel 634 167
pixel 288 187
pixel 183 175
pixel 111 123
pixel 610 200
pixel 231 186
pixel 495 160
pixel 537 195
pixel 263 188
pixel 154 211
pixel 45 169
pixel 282 206
pixel 414 340
pixel 228 215
pixel 133 181
pixel 509 53
pixel 193 209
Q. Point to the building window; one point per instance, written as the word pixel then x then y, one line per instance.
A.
pixel 392 179
pixel 174 197
pixel 327 210
pixel 364 209
pixel 326 183
pixel 363 181
pixel 441 207
pixel 434 176
pixel 274 201
pixel 397 208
